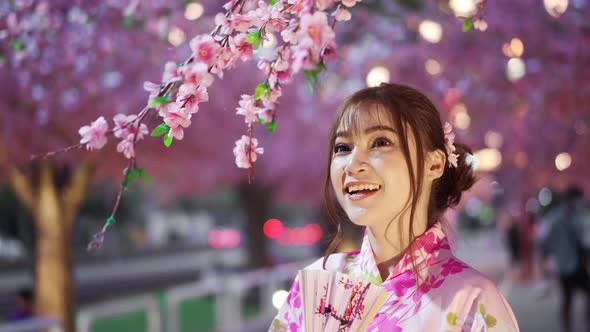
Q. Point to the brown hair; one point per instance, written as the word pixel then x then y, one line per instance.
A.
pixel 412 111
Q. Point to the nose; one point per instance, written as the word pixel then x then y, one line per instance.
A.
pixel 357 162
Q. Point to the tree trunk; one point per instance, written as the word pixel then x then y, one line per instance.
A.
pixel 54 210
pixel 256 202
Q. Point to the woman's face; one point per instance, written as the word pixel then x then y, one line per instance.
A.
pixel 368 169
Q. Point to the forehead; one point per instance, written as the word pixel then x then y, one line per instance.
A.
pixel 355 119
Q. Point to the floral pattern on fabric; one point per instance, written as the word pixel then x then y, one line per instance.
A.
pixel 444 295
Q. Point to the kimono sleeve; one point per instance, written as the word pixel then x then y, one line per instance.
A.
pixel 290 315
pixel 490 312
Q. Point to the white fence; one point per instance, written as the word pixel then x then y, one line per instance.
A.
pixel 228 292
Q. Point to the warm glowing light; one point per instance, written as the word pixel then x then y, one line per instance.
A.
pixel 515 69
pixel 563 161
pixel 433 67
pixel 489 159
pixel 462 7
pixel 493 139
pixel 176 36
pixel 459 108
pixel 193 11
pixel 462 120
pixel 270 40
pixel 431 31
pixel 555 7
pixel 279 297
pixel 378 75
pixel 517 47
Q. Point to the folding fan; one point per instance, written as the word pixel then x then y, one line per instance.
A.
pixel 333 301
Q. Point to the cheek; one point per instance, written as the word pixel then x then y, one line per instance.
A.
pixel 335 176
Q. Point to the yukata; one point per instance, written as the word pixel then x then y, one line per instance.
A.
pixel 448 296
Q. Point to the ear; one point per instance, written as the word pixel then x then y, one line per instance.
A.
pixel 435 164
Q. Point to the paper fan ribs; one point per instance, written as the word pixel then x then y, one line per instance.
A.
pixel 333 301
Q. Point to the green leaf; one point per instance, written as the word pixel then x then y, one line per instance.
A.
pixel 168 140
pixel 132 176
pixel 467 24
pixel 17 44
pixel 128 21
pixel 308 80
pixel 111 220
pixel 273 2
pixel 254 39
pixel 490 321
pixel 260 89
pixel 157 101
pixel 160 130
pixel 143 174
pixel 272 126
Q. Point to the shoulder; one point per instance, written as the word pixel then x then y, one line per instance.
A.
pixel 477 298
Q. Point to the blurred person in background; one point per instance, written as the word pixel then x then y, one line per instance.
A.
pixel 564 244
pixel 24 306
pixel 394 169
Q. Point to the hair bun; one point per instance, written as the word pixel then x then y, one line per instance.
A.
pixel 455 180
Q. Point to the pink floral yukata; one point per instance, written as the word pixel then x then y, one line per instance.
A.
pixel 452 296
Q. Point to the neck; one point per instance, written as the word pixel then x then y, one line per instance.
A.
pixel 390 243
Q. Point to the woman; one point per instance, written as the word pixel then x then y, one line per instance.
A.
pixel 394 169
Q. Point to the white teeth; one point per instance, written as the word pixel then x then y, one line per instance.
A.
pixel 352 189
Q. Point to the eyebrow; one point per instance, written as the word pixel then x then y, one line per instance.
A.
pixel 367 131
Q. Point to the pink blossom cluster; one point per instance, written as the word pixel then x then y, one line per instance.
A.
pixel 308 40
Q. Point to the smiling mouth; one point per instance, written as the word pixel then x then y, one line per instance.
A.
pixel 356 193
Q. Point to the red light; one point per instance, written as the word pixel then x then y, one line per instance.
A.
pixel 273 228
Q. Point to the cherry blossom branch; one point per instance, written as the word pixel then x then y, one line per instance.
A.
pixel 309 42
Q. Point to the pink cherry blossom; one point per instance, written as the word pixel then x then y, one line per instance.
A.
pixel 480 24
pixel 266 114
pixel 221 20
pixel 324 4
pixel 126 147
pixel 241 47
pixel 177 133
pixel 316 28
pixel 342 14
pixel 248 109
pixel 226 59
pixel 271 16
pixel 350 3
pixel 242 22
pixel 205 49
pixel 189 96
pixel 289 36
pixel 94 136
pixel 123 125
pixel 198 73
pixel 152 88
pixel 177 117
pixel 269 101
pixel 246 150
pixel 171 73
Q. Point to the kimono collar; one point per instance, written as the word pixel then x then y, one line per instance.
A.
pixel 424 250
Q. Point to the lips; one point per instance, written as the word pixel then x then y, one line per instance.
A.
pixel 358 190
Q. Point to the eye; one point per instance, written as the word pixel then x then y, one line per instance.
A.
pixel 339 148
pixel 381 141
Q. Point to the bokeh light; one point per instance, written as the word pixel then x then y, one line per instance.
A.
pixel 378 75
pixel 193 11
pixel 515 69
pixel 555 7
pixel 279 297
pixel 563 161
pixel 176 36
pixel 431 31
pixel 489 159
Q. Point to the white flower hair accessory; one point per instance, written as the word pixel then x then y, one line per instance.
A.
pixel 472 160
pixel 453 158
